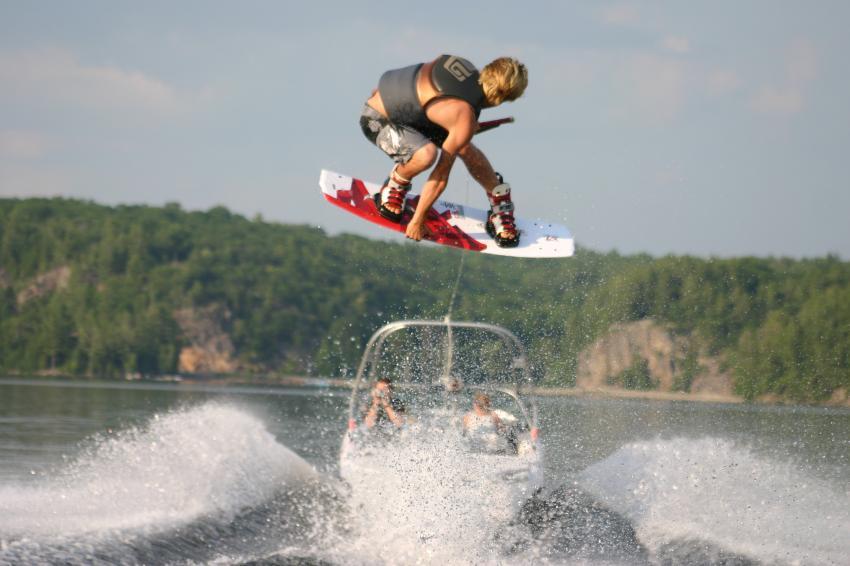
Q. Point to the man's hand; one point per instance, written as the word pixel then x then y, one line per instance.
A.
pixel 416 230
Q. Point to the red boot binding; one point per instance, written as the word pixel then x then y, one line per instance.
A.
pixel 393 193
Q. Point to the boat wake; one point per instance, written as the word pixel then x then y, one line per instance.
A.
pixel 711 500
pixel 179 488
pixel 210 484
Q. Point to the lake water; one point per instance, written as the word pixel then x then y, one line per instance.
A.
pixel 178 474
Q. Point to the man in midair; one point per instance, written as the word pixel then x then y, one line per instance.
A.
pixel 427 113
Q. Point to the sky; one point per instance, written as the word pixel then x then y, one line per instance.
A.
pixel 703 128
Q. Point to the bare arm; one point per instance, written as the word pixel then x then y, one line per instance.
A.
pixel 462 127
pixel 395 417
pixel 377 404
pixel 500 426
pixel 372 414
pixel 477 164
pixel 431 191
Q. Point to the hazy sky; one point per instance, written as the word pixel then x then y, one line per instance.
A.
pixel 707 128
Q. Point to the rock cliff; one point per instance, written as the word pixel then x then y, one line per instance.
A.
pixel 43 284
pixel 210 349
pixel 648 355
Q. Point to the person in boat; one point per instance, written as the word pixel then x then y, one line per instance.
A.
pixel 485 430
pixel 384 406
pixel 428 111
pixel 482 418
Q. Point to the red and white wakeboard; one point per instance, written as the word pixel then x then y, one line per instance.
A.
pixel 449 224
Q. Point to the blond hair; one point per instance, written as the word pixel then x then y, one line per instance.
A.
pixel 503 79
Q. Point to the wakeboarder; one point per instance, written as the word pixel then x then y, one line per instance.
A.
pixel 427 113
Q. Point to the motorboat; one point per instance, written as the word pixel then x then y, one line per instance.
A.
pixel 427 471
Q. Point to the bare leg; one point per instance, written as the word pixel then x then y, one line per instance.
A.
pixel 402 174
pixel 479 167
pixel 423 159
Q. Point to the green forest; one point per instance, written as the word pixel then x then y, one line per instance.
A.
pixel 97 291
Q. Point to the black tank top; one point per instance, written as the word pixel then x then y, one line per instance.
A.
pixel 452 76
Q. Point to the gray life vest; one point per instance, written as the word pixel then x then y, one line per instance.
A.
pixel 451 76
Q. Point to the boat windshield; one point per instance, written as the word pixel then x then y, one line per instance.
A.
pixel 418 355
pixel 436 369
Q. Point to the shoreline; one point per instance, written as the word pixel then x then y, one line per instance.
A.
pixel 614 393
pixel 320 383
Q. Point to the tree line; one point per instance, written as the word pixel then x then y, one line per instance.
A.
pixel 300 301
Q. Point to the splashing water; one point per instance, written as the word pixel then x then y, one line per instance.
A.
pixel 425 498
pixel 211 484
pixel 714 491
pixel 181 466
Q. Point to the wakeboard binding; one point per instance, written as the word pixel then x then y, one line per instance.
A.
pixel 393 193
pixel 501 225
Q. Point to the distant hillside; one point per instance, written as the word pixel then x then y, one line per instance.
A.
pixel 92 290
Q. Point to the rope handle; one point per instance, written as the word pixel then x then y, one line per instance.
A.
pixel 490 124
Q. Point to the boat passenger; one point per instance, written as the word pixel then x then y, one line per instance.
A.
pixel 384 406
pixel 486 431
pixel 482 418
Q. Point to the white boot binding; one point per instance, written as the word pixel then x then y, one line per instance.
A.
pixel 501 218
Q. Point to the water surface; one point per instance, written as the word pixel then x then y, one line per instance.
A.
pixel 171 473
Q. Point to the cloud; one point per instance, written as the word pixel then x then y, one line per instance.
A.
pixel 635 85
pixel 773 100
pixel 722 81
pixel 656 85
pixel 788 97
pixel 801 62
pixel 58 77
pixel 676 44
pixel 19 144
pixel 24 181
pixel 624 15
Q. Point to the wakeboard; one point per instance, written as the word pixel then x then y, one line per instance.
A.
pixel 448 223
